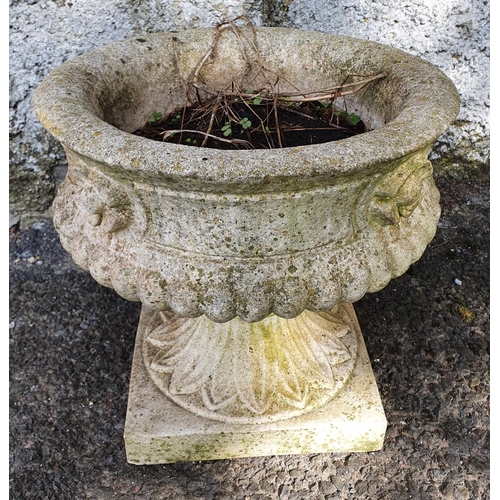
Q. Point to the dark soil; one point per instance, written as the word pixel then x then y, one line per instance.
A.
pixel 262 126
pixel 71 344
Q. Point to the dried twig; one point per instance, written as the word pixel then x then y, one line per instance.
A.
pixel 168 133
pixel 313 95
pixel 211 123
pixel 219 107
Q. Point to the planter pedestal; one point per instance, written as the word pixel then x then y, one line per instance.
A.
pixel 158 430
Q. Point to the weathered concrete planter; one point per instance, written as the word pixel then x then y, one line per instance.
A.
pixel 206 237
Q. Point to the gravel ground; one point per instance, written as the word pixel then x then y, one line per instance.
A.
pixel 427 334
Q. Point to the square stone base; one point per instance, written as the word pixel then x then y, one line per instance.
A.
pixel 158 431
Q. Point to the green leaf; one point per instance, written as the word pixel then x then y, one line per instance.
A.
pixel 226 129
pixel 154 116
pixel 353 118
pixel 245 123
pixel 257 100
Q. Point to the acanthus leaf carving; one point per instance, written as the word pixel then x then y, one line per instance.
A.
pixel 245 372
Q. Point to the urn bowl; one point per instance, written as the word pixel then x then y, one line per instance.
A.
pixel 244 233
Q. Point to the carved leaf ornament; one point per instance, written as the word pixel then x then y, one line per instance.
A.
pixel 241 371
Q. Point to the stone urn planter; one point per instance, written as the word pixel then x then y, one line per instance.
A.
pixel 246 262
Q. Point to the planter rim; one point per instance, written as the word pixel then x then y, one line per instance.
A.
pixel 431 105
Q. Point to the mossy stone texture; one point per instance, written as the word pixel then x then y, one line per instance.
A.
pixel 157 430
pixel 244 233
pixel 240 235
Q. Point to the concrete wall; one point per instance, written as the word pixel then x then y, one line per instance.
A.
pixel 452 34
